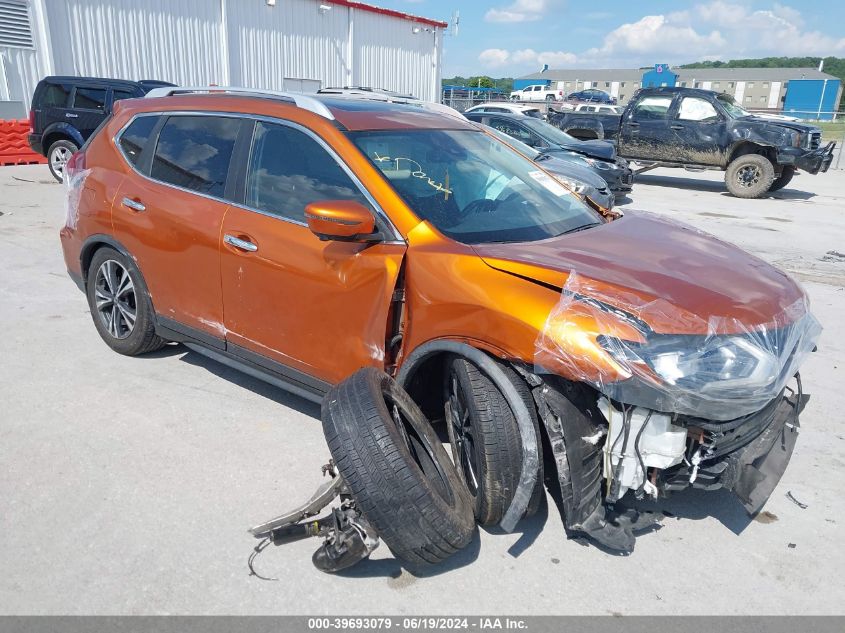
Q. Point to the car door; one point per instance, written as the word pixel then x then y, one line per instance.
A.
pixel 169 211
pixel 317 307
pixel 699 131
pixel 645 131
pixel 87 108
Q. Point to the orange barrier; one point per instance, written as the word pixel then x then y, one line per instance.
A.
pixel 14 150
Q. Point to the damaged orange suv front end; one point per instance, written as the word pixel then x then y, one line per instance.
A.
pixel 302 238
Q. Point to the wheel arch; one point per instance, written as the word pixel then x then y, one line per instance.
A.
pixel 431 356
pixel 60 131
pixel 744 147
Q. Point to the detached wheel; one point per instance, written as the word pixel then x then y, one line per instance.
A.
pixel 58 156
pixel 749 176
pixel 396 468
pixel 120 304
pixel 784 178
pixel 485 439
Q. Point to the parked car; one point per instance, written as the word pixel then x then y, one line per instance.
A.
pixel 301 238
pixel 591 95
pixel 65 111
pixel 572 170
pixel 548 139
pixel 507 108
pixel 688 127
pixel 537 92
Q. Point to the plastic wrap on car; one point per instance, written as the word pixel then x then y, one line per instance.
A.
pixel 724 368
pixel 73 192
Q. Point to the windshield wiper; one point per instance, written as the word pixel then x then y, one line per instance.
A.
pixel 583 227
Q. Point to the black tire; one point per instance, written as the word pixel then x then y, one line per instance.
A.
pixel 112 317
pixel 488 451
pixel 57 155
pixel 749 176
pixel 396 468
pixel 784 179
pixel 550 97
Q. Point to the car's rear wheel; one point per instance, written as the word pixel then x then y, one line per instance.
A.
pixel 120 304
pixel 784 179
pixel 58 156
pixel 749 176
pixel 486 445
pixel 396 468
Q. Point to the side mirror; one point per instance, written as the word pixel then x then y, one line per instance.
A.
pixel 344 220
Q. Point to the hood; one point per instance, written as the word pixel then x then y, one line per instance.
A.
pixel 792 125
pixel 604 150
pixel 570 169
pixel 698 275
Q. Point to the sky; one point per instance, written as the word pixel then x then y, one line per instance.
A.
pixel 509 38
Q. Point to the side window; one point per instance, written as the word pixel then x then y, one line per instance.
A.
pixel 693 109
pixel 194 152
pixel 288 170
pixel 117 95
pixel 55 96
pixel 135 137
pixel 649 108
pixel 90 99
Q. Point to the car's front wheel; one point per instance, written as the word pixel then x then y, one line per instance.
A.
pixel 58 155
pixel 749 176
pixel 120 304
pixel 784 179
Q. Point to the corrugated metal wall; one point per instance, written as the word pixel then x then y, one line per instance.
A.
pixel 235 42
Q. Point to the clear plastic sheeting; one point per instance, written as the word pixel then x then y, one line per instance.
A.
pixel 709 366
pixel 74 183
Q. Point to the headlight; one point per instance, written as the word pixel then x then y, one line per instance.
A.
pixel 576 185
pixel 795 139
pixel 598 164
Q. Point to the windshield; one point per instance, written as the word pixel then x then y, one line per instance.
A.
pixel 519 146
pixel 733 108
pixel 473 188
pixel 549 132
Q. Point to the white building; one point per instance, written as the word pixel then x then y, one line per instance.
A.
pixel 271 44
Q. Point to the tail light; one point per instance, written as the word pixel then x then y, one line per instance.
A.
pixel 32 121
pixel 75 164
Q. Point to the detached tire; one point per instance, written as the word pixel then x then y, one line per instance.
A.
pixel 749 176
pixel 784 179
pixel 486 444
pixel 396 468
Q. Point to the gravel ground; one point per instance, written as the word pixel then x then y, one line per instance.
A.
pixel 127 484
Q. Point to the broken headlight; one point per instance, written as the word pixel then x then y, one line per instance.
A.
pixel 576 185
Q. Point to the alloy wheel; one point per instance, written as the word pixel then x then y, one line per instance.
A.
pixel 749 175
pixel 59 158
pixel 461 435
pixel 115 299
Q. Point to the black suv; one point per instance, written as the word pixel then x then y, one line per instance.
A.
pixel 66 111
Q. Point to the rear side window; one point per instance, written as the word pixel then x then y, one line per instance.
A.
pixel 288 170
pixel 117 95
pixel 194 152
pixel 136 136
pixel 55 95
pixel 652 108
pixel 90 99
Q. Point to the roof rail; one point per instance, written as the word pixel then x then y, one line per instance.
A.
pixel 306 102
pixel 384 97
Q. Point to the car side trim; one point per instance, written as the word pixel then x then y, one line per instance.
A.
pixel 394 236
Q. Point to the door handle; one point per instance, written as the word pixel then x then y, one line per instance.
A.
pixel 244 245
pixel 633 124
pixel 71 115
pixel 135 205
pixel 677 127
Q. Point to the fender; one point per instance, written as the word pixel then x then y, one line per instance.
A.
pixel 527 435
pixel 90 245
pixel 63 128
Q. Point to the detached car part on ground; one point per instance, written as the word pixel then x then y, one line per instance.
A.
pixel 484 300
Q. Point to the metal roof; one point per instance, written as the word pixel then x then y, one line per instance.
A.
pixel 705 74
pixel 391 12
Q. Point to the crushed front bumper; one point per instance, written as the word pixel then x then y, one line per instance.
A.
pixel 813 162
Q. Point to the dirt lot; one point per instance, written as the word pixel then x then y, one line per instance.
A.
pixel 127 484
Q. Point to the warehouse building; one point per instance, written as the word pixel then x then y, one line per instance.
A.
pixel 269 44
pixel 806 92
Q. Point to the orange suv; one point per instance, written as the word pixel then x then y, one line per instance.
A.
pixel 300 238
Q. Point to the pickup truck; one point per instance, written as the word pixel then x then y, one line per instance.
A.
pixel 702 129
pixel 537 92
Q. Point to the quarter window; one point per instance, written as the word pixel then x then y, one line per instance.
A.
pixel 117 95
pixel 289 170
pixel 194 152
pixel 90 99
pixel 55 95
pixel 136 136
pixel 652 108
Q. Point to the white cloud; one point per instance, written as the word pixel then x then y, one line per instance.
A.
pixel 718 29
pixel 521 11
